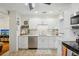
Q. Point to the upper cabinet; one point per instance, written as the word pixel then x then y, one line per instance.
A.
pixel 34 23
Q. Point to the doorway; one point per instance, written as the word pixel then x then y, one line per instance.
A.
pixel 4 34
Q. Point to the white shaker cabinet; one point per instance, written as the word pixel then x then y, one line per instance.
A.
pixel 23 42
pixel 52 41
pixel 42 42
pixel 47 42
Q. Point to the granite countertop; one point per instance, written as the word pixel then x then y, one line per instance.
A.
pixel 72 45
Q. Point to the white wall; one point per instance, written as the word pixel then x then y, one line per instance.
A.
pixel 13 39
pixel 14 29
pixel 51 23
pixel 68 33
pixel 23 18
pixel 75 7
pixel 4 22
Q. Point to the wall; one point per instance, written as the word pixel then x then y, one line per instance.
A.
pixel 51 23
pixel 66 28
pixel 75 8
pixel 4 22
pixel 23 18
pixel 13 39
pixel 68 33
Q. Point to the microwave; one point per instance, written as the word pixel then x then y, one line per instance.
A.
pixel 75 20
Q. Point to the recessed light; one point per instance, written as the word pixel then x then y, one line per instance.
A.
pixel 26 4
pixel 33 5
pixel 61 17
pixel 50 12
pixel 36 12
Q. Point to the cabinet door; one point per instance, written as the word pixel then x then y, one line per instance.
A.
pixel 56 42
pixel 52 42
pixel 23 42
pixel 42 42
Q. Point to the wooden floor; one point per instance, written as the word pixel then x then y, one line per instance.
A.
pixel 5 47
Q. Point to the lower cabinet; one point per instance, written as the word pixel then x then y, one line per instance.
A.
pixel 46 42
pixel 42 42
pixel 52 42
pixel 23 42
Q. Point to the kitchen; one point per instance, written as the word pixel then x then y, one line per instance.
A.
pixel 41 28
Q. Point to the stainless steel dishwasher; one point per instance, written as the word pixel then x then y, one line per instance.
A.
pixel 32 42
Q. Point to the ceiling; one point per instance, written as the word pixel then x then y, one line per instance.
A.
pixel 40 9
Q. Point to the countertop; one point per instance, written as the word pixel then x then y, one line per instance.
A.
pixel 72 45
pixel 41 35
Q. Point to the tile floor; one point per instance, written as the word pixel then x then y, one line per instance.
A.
pixel 40 52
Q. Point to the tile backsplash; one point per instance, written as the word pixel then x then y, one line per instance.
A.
pixel 52 32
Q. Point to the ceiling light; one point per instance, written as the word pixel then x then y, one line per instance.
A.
pixel 26 4
pixel 33 5
pixel 75 14
pixel 36 11
pixel 61 17
pixel 50 12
